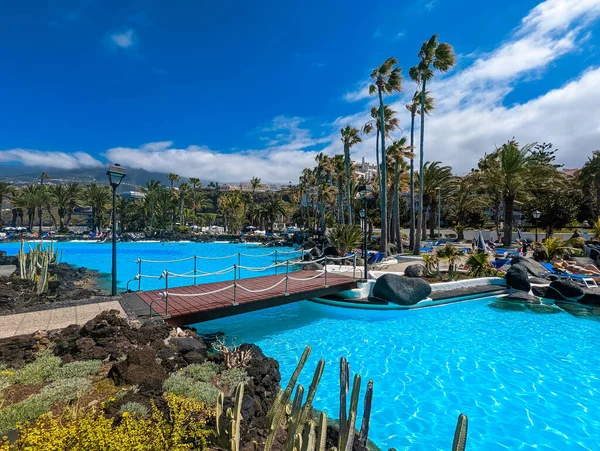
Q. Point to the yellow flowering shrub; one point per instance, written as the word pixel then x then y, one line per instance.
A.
pixel 185 428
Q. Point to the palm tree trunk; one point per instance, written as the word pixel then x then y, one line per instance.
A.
pixel 384 235
pixel 597 197
pixel 423 227
pixel 340 202
pixel 348 175
pixel 61 219
pixel 40 211
pixel 397 206
pixel 417 248
pixel 30 218
pixel 52 216
pixel 411 236
pixel 13 222
pixel 432 221
pixel 509 204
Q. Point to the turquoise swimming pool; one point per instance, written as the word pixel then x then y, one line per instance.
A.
pixel 526 381
pixel 98 256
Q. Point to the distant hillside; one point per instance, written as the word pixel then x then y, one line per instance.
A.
pixel 19 175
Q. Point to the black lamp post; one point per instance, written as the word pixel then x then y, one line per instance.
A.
pixel 365 192
pixel 536 215
pixel 116 174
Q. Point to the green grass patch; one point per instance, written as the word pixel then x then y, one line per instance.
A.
pixel 229 379
pixel 44 368
pixel 203 372
pixel 77 369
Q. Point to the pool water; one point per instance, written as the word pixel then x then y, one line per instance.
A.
pixel 526 381
pixel 98 256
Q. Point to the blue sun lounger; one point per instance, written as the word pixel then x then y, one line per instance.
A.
pixel 581 279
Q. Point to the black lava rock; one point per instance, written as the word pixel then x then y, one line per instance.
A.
pixel 415 270
pixel 564 289
pixel 401 290
pixel 521 297
pixel 517 278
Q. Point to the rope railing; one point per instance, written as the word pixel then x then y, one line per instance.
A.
pixel 195 273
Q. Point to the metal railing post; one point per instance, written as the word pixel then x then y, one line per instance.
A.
pixel 140 274
pixel 194 270
pixel 239 264
pixel 166 294
pixel 287 268
pixel 235 285
pixel 302 256
pixel 275 262
pixel 354 269
pixel 326 286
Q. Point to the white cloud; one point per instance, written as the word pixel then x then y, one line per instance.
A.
pixel 60 160
pixel 399 35
pixel 377 34
pixel 123 39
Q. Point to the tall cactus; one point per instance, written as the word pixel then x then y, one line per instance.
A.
pixel 460 434
pixel 231 437
pixel 346 437
pixel 344 385
pixel 322 437
pixel 364 428
pixel 278 409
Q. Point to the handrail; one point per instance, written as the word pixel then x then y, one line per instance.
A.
pixel 236 269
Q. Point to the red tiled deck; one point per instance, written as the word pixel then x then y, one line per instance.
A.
pixel 192 309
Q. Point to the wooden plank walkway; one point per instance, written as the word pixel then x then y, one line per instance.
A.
pixel 194 307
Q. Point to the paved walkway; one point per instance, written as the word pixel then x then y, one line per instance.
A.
pixel 7 270
pixel 26 323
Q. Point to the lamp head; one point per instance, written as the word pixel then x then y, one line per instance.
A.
pixel 537 214
pixel 362 214
pixel 116 174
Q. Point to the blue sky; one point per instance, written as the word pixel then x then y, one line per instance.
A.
pixel 228 90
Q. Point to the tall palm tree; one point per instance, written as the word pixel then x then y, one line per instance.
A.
pixel 350 137
pixel 197 201
pixel 464 199
pixel 398 151
pixel 437 179
pixel 59 197
pixel 43 177
pixel 6 190
pixel 386 80
pixel 254 184
pixel 322 172
pixel 441 57
pixel 275 208
pixel 414 107
pixel 172 179
pixel 339 173
pixel 18 204
pixel 391 123
pixel 230 206
pixel 74 195
pixel 184 190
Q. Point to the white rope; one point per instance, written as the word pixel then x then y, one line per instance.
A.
pixel 216 258
pixel 164 261
pixel 148 277
pixel 257 255
pixel 191 276
pixel 264 268
pixel 263 290
pixel 309 262
pixel 310 278
pixel 185 295
pixel 340 258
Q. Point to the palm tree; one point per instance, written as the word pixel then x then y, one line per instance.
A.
pixel 391 123
pixel 43 177
pixel 398 151
pixel 450 253
pixel 6 190
pixel 274 208
pixel 556 248
pixel 386 80
pixel 437 179
pixel 172 179
pixel 150 191
pixel 590 176
pixel 514 170
pixel 339 173
pixel 350 137
pixel 441 57
pixel 184 189
pixel 231 206
pixel 197 201
pixel 415 108
pixel 254 184
pixel 464 199
pixel 322 172
pixel 18 204
pixel 74 195
pixel 59 196
pixel 196 183
pixel 345 237
pixel 480 265
pixel 98 197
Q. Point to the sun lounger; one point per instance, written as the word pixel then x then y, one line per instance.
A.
pixel 581 279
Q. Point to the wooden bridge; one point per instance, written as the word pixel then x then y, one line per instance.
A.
pixel 202 302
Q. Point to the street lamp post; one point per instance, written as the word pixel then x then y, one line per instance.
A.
pixel 116 174
pixel 365 192
pixel 536 215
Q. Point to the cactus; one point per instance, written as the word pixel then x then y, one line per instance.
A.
pixel 321 438
pixel 279 406
pixel 231 437
pixel 344 383
pixel 42 280
pixel 346 437
pixel 364 428
pixel 460 435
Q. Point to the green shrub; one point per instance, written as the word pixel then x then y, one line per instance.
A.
pixel 41 369
pixel 229 379
pixel 135 408
pixel 78 369
pixel 204 372
pixel 32 407
pixel 188 388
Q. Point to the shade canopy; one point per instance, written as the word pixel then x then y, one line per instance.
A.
pixel 116 174
pixel 481 243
